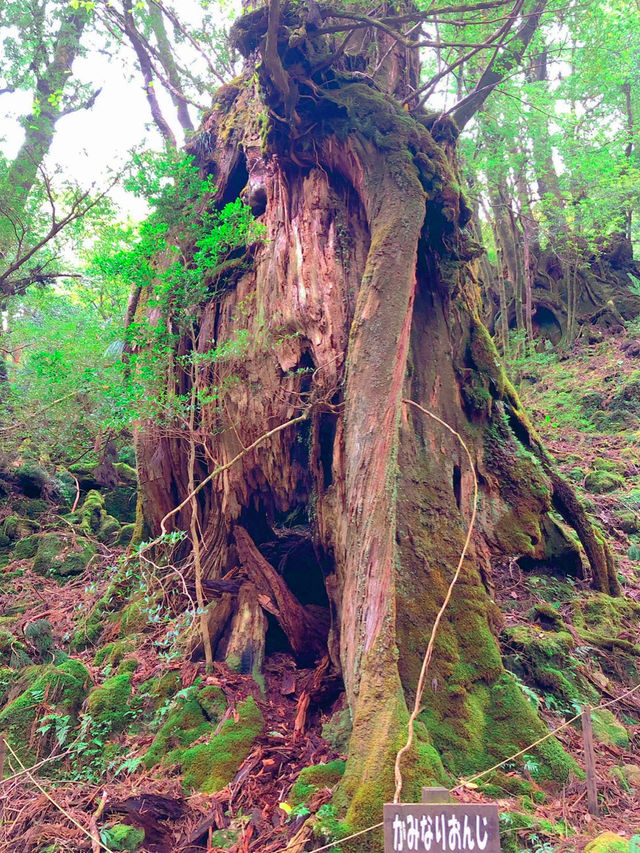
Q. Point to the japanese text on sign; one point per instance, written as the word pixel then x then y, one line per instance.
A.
pixel 417 828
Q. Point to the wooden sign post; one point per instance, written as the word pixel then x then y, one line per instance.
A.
pixel 440 828
pixel 590 762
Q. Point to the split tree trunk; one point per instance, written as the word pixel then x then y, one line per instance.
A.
pixel 361 294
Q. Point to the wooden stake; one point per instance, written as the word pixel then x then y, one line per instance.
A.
pixel 589 761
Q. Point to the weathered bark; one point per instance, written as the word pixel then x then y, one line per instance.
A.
pixel 364 293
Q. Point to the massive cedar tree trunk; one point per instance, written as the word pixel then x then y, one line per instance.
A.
pixel 362 294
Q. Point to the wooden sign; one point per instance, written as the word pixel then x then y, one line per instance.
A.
pixel 440 828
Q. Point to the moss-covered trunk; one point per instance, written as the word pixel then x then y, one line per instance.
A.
pixel 362 293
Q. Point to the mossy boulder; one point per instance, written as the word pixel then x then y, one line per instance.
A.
pixel 545 656
pixel 61 555
pixel 122 837
pixel 125 535
pixel 31 479
pixel 312 779
pixel 108 705
pixel 126 473
pixel 13 653
pixel 601 482
pixel 159 690
pixel 15 527
pixel 608 730
pixel 608 842
pixel 628 521
pixel 31 508
pixel 109 530
pixel 86 476
pixel 193 716
pixel 121 502
pixel 51 689
pixel 92 513
pixel 113 653
pixel 25 548
pixel 208 767
pixel 611 465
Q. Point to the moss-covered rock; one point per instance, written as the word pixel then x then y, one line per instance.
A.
pixel 86 475
pixel 546 658
pixel 628 521
pixel 92 513
pixel 601 482
pixel 208 767
pixel 30 508
pixel 193 716
pixel 603 464
pixel 125 535
pixel 108 704
pixel 13 652
pixel 608 730
pixel 60 555
pixel 113 653
pixel 311 779
pixel 52 689
pixel 122 837
pixel 15 527
pixel 31 479
pixel 608 842
pixel 40 636
pixel 25 548
pixel 159 690
pixel 121 503
pixel 126 473
pixel 109 530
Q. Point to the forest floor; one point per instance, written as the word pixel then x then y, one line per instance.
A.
pixel 93 785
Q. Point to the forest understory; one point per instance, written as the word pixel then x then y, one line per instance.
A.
pixel 106 697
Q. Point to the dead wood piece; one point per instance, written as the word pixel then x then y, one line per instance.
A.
pixel 305 632
pixel 288 685
pixel 246 646
pixel 301 714
pixel 218 614
pixel 220 587
pixel 215 819
pixel 146 811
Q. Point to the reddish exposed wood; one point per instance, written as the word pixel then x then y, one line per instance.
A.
pixel 246 645
pixel 305 633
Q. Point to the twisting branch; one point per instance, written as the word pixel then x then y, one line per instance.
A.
pixel 147 74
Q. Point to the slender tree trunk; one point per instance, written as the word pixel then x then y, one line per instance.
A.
pixel 40 125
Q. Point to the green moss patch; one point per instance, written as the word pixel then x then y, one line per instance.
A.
pixel 601 482
pixel 193 716
pixel 122 837
pixel 608 730
pixel 51 689
pixel 208 767
pixel 608 842
pixel 60 556
pixel 108 705
pixel 312 779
